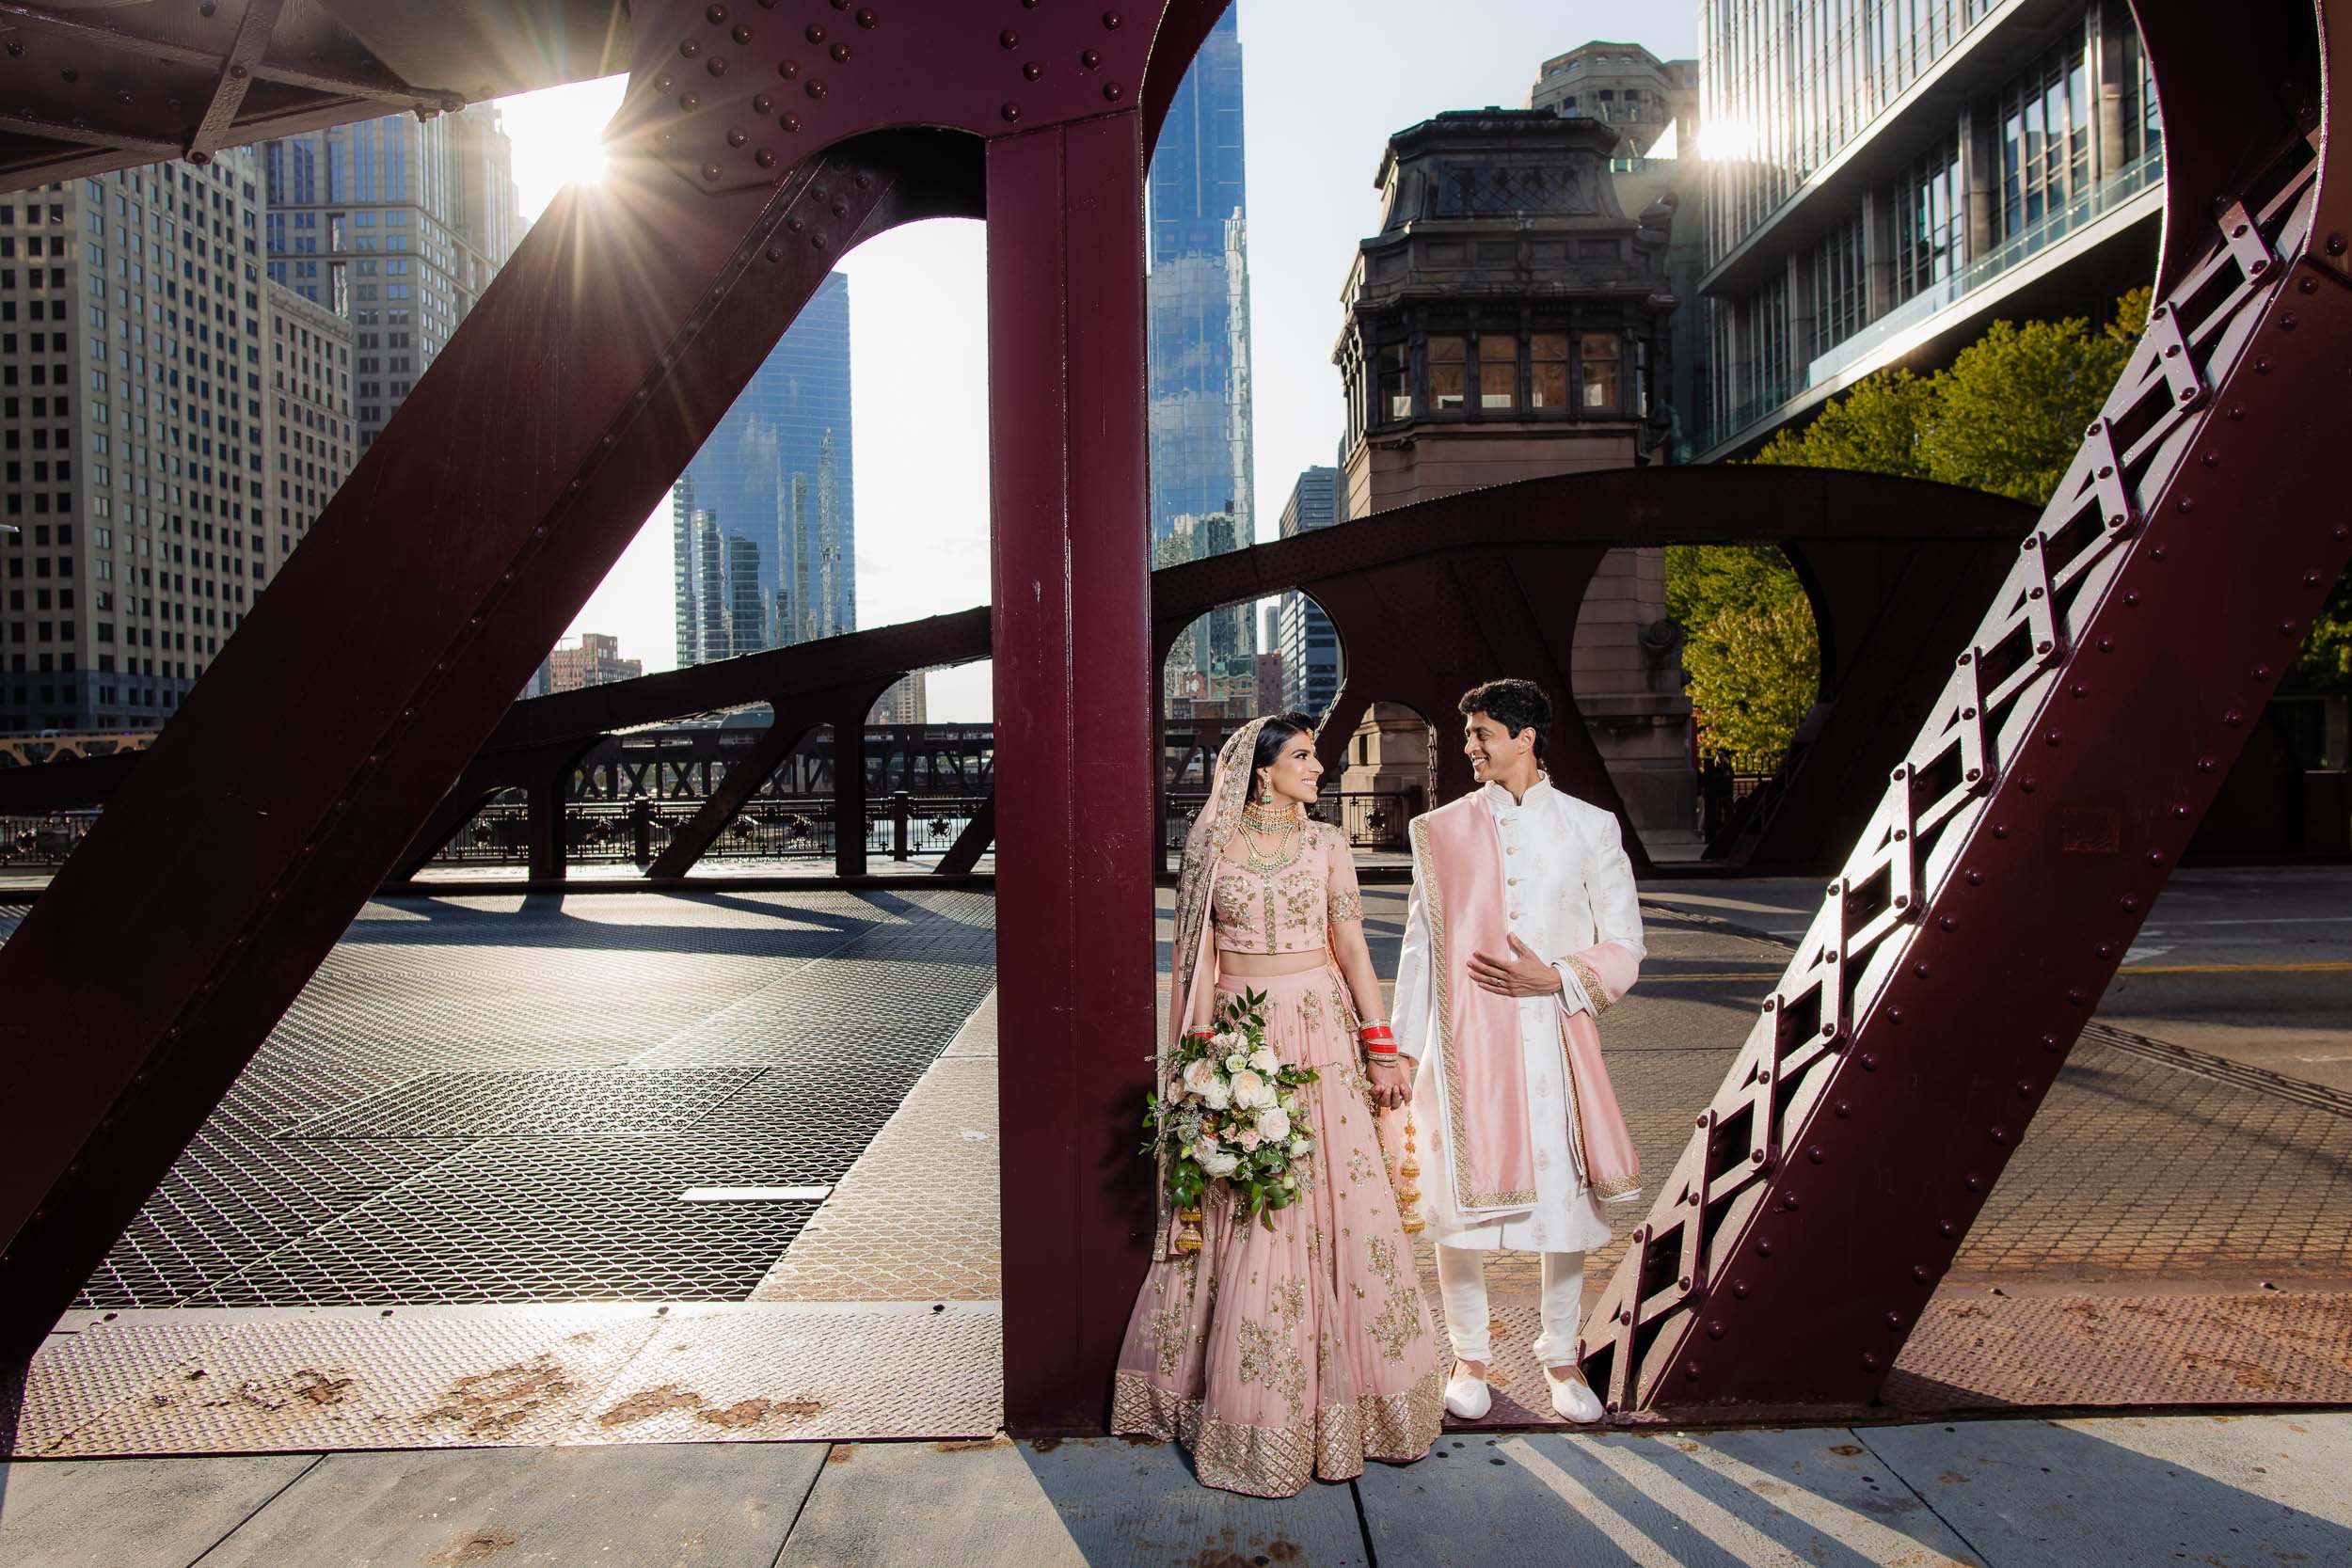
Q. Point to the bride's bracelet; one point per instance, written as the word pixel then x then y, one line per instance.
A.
pixel 1377 1039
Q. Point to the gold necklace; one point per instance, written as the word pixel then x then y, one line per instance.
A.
pixel 1284 856
pixel 1266 818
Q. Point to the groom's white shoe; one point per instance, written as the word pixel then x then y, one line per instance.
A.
pixel 1573 1398
pixel 1467 1397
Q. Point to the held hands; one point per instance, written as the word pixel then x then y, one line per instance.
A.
pixel 1390 1088
pixel 1522 974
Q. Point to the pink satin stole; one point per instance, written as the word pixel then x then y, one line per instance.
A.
pixel 1478 1031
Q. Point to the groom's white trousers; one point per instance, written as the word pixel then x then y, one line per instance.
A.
pixel 1462 1288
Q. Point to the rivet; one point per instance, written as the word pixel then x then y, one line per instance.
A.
pixel 2237 410
pixel 2157 553
pixel 765 158
pixel 2335 244
pixel 1683 1284
pixel 1948 923
pixel 815 89
pixel 764 104
pixel 2042 647
pixel 1844 1109
pixel 2077 997
pixel 1894 1320
pixel 1009 39
pixel 2128 903
pixel 820 240
pixel 1871 1361
pixel 1902 900
pixel 2000 1134
pixel 2032 542
pixel 742 33
pixel 1968 713
pixel 2107 644
pixel 2105 950
pixel 2131 601
pixel 691 48
pixel 1715 1329
pixel 664 82
pixel 710 171
pixel 775 252
pixel 1817 1155
pixel 2233 718
pixel 2078 690
pixel 840 52
pixel 1739 1290
pixel 1690 1370
pixel 1111 20
pixel 2186 503
pixel 1764 1247
pixel 2311 579
pixel 794 225
pixel 2027 783
pixel 715 15
pixel 1011 113
pixel 867 17
pixel 816 33
pixel 1920 969
pixel 1113 92
pixel 1973 1183
pixel 1869 1062
pixel 1699 1120
pixel 790 123
pixel 1919 1273
pixel 2286 323
pixel 1756 1156
pixel 2262 672
pixel 840 207
pixel 737 135
pixel 1976 877
pixel 2309 285
pixel 1031 70
pixel 2180 812
pixel 1088 58
pixel 2000 829
pixel 2034 593
pixel 1965 657
pixel 2025 1089
pixel 689 101
pixel 717 66
pixel 2261 364
pixel 2053 738
pixel 1946 1228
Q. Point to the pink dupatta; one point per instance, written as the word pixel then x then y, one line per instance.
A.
pixel 1478 1032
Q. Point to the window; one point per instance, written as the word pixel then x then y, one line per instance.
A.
pixel 1497 371
pixel 1448 364
pixel 1601 353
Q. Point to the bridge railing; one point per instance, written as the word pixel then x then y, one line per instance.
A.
pixel 1375 819
pixel 637 832
pixel 44 839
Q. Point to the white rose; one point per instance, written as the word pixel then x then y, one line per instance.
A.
pixel 1198 1075
pixel 1265 1061
pixel 1217 1095
pixel 1303 1147
pixel 1235 1062
pixel 1247 1087
pixel 1251 1137
pixel 1274 1123
pixel 1217 1162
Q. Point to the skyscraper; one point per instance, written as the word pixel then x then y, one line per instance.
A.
pixel 1311 648
pixel 1197 300
pixel 396 225
pixel 165 411
pixel 766 532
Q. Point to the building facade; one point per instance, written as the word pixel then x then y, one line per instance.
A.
pixel 764 523
pixel 1197 313
pixel 906 704
pixel 1652 104
pixel 396 225
pixel 160 407
pixel 1510 322
pixel 595 661
pixel 1887 180
pixel 1309 646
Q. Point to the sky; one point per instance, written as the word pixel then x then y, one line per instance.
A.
pixel 917 295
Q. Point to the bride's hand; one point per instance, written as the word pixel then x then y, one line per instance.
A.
pixel 1390 1086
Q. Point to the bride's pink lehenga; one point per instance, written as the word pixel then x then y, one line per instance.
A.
pixel 1278 1353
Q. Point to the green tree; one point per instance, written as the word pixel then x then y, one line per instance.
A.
pixel 2005 416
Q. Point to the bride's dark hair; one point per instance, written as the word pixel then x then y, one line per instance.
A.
pixel 1273 736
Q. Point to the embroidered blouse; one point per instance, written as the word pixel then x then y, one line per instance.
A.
pixel 1290 909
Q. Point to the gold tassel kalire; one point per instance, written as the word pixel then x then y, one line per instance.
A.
pixel 1188 1232
pixel 1409 1188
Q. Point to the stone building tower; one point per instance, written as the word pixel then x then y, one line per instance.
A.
pixel 1509 321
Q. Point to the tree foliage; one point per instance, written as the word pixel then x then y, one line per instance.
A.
pixel 2005 416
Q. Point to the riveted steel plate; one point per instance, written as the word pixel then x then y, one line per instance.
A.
pixel 526 1102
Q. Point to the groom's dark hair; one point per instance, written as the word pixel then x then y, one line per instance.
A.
pixel 1513 703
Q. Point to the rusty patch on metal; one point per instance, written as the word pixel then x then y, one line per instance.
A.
pixel 489 1402
pixel 650 1403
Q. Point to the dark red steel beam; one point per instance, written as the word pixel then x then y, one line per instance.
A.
pixel 2084 731
pixel 499 497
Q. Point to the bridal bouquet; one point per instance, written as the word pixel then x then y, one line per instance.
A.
pixel 1233 1116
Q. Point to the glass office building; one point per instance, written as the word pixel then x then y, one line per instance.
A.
pixel 1887 177
pixel 765 525
pixel 1197 315
pixel 1310 644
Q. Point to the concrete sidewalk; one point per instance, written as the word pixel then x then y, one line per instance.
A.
pixel 2229 1491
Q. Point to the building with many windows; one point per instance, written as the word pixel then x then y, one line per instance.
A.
pixel 1197 313
pixel 396 225
pixel 1627 88
pixel 1309 646
pixel 160 405
pixel 595 661
pixel 1887 181
pixel 764 524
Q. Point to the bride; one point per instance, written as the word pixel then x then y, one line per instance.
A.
pixel 1280 1355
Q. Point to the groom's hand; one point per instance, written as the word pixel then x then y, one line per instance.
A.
pixel 1519 973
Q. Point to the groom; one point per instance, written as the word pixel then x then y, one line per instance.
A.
pixel 1522 930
